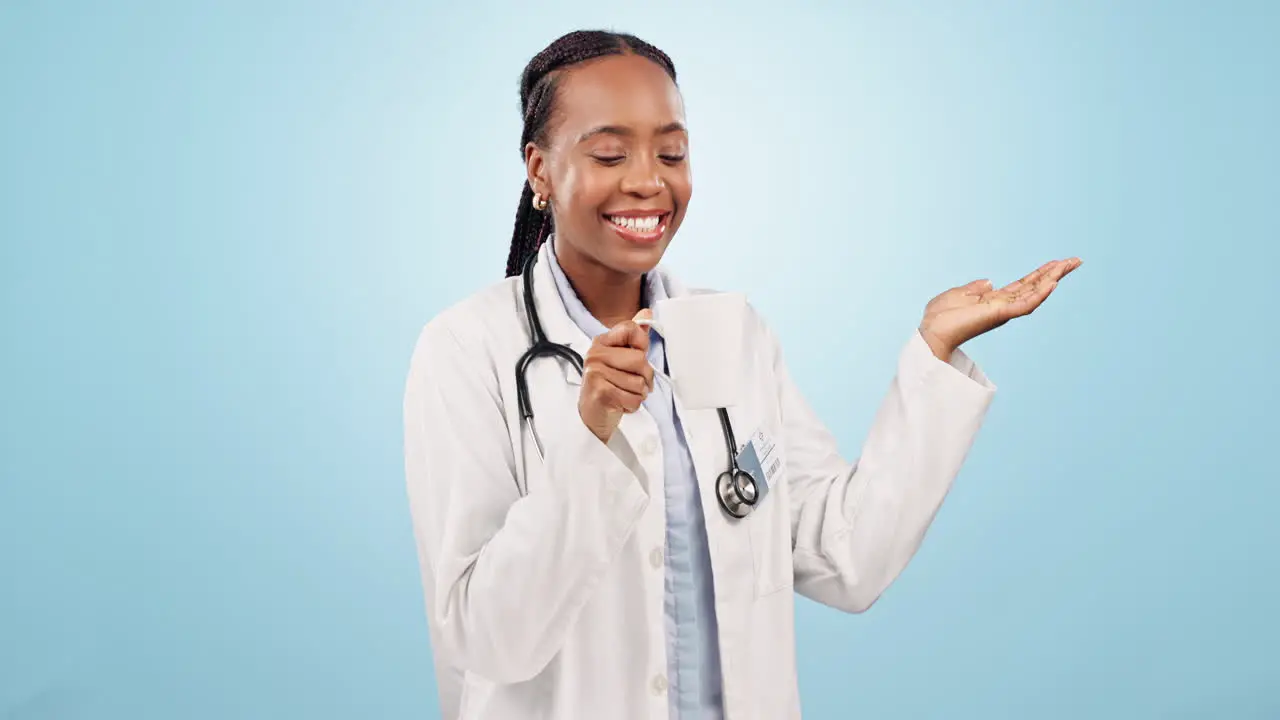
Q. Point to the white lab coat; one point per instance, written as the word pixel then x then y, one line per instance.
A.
pixel 544 581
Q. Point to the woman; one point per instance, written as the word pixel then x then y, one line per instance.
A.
pixel 581 566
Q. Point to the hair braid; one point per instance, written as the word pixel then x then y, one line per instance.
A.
pixel 538 85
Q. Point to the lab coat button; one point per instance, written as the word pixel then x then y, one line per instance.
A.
pixel 650 445
pixel 659 684
pixel 655 557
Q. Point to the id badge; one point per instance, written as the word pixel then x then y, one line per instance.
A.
pixel 760 459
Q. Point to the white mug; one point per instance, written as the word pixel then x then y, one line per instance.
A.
pixel 704 339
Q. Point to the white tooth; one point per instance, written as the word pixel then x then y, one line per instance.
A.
pixel 639 224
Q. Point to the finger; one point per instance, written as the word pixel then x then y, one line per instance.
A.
pixel 1030 278
pixel 629 402
pixel 1029 297
pixel 1029 289
pixel 1052 275
pixel 627 359
pixel 624 359
pixel 626 334
pixel 1053 270
pixel 977 287
pixel 1063 269
pixel 1027 303
pixel 623 380
pixel 615 399
pixel 611 391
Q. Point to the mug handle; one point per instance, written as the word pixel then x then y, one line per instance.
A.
pixel 646 322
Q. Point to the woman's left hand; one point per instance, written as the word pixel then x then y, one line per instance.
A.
pixel 963 313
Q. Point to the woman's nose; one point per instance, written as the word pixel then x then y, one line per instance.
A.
pixel 642 178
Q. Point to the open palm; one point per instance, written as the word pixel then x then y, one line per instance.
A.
pixel 963 313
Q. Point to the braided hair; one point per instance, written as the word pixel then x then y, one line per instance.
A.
pixel 538 85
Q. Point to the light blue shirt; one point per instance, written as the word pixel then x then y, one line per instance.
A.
pixel 693 649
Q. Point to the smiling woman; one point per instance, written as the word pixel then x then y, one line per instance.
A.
pixel 592 566
pixel 606 148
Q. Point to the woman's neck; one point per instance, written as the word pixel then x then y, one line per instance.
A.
pixel 610 296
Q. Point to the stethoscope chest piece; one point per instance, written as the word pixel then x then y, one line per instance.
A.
pixel 737 492
pixel 735 488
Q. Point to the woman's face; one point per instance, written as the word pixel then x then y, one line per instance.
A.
pixel 616 168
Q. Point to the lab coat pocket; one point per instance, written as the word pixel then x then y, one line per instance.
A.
pixel 769 528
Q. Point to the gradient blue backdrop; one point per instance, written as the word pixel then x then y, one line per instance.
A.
pixel 224 223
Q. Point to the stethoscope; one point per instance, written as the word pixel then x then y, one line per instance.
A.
pixel 735 488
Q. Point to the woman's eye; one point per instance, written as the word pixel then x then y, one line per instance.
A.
pixel 672 158
pixel 609 159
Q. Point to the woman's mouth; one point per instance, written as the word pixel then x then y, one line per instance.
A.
pixel 639 228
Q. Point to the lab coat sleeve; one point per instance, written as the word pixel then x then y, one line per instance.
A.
pixel 856 525
pixel 504 575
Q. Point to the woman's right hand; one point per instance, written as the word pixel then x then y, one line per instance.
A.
pixel 616 377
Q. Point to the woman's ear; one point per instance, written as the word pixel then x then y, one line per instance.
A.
pixel 535 164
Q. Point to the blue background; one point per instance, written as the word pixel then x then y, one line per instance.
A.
pixel 224 223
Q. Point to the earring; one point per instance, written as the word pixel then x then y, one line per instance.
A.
pixel 539 203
